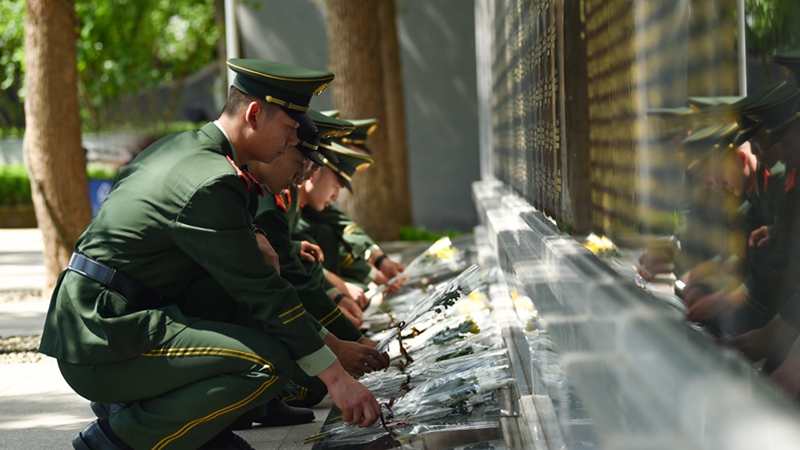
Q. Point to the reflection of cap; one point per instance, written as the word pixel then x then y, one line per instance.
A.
pixel 715 136
pixel 702 103
pixel 789 62
pixel 708 140
pixel 749 123
pixel 286 86
pixel 364 127
pixel 776 109
pixel 308 141
pixel 349 162
pixel 329 129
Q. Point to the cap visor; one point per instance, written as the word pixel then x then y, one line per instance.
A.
pixel 328 154
pixel 301 118
pixel 311 154
pixel 345 183
pixel 741 138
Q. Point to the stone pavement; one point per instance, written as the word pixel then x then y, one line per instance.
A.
pixel 38 410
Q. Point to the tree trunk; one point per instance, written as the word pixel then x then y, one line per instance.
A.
pixel 54 156
pixel 395 109
pixel 358 91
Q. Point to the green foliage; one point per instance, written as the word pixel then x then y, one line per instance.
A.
pixel 15 188
pixel 126 45
pixel 98 173
pixel 772 26
pixel 12 62
pixel 421 234
pixel 123 46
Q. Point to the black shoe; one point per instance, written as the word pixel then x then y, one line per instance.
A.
pixel 103 410
pixel 93 438
pixel 276 414
pixel 279 414
pixel 226 440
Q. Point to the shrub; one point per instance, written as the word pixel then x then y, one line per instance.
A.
pixel 15 188
pixel 421 234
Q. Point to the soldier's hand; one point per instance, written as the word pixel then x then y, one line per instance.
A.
pixel 356 358
pixel 357 403
pixel 311 252
pixel 390 268
pixel 759 237
pixel 394 287
pixel 758 344
pixel 349 305
pixel 357 294
pixel 372 344
pixel 707 308
pixel 355 320
pixel 268 252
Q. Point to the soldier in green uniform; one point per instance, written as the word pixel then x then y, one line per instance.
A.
pixel 273 216
pixel 358 257
pixel 173 243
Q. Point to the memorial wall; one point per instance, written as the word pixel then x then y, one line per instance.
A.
pixel 573 87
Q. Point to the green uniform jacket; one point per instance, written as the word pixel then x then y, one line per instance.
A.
pixel 350 243
pixel 273 216
pixel 180 212
pixel 767 264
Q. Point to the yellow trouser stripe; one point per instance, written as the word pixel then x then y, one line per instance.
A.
pixel 290 311
pixel 164 442
pixel 325 324
pixel 207 351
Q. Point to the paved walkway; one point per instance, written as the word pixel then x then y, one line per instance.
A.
pixel 38 410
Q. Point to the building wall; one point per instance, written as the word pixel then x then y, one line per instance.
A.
pixel 438 58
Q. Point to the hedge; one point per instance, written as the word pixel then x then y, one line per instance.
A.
pixel 15 187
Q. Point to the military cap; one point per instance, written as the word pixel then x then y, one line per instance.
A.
pixel 364 128
pixel 707 141
pixel 789 62
pixel 715 136
pixel 750 123
pixel 349 162
pixel 286 86
pixel 308 141
pixel 329 129
pixel 776 109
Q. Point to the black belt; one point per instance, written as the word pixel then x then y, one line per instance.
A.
pixel 141 296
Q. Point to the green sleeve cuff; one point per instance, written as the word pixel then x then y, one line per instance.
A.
pixel 373 272
pixel 316 362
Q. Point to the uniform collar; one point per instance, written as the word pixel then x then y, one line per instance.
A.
pixel 230 142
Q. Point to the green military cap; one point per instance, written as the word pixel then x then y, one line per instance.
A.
pixel 667 112
pixel 329 129
pixel 364 127
pixel 287 86
pixel 331 113
pixel 713 137
pixel 308 140
pixel 349 162
pixel 789 62
pixel 704 142
pixel 776 109
pixel 750 123
pixel 702 103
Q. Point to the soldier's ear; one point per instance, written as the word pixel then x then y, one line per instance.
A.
pixel 251 114
pixel 742 156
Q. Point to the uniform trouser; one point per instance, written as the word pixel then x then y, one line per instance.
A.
pixel 184 393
